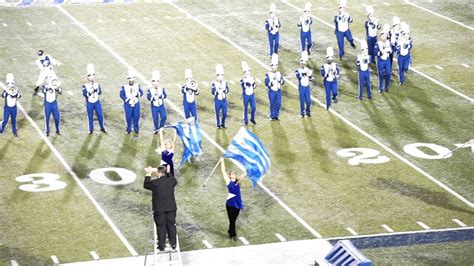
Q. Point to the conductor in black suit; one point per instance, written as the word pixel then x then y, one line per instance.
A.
pixel 164 204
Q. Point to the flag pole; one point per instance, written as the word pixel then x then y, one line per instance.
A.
pixel 213 170
pixel 462 146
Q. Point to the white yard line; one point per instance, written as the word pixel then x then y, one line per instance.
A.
pixel 387 228
pixel 465 65
pixel 439 67
pixel 123 20
pixel 14 263
pixel 244 241
pixel 459 222
pixel 385 147
pixel 412 68
pixel 99 20
pixel 207 244
pixel 5 25
pixel 423 225
pixel 94 255
pixel 179 111
pixel 439 15
pixel 29 23
pixel 52 22
pixel 70 93
pixel 146 18
pixel 280 237
pixel 78 181
pixel 232 81
pixel 55 260
pixel 205 84
pixel 352 231
pixel 258 80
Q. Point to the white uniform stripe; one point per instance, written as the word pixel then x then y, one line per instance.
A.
pixel 459 223
pixel 423 225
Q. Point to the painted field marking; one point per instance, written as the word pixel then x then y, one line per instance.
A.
pixel 258 80
pixel 14 263
pixel 207 244
pixel 205 84
pixel 465 65
pixel 352 231
pixel 244 241
pixel 55 260
pixel 180 112
pixel 178 85
pixel 412 68
pixel 146 18
pixel 99 20
pixel 439 67
pixel 423 225
pixel 459 222
pixel 232 81
pixel 5 25
pixel 70 93
pixel 280 237
pixel 52 22
pixel 29 23
pixel 94 255
pixel 385 3
pixel 439 15
pixel 436 181
pixel 387 228
pixel 123 20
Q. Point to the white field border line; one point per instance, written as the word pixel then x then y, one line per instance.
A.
pixel 439 15
pixel 439 183
pixel 79 182
pixel 402 233
pixel 412 68
pixel 179 111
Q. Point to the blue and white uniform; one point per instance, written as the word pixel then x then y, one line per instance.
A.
pixel 372 26
pixel 342 31
pixel 383 49
pixel 45 63
pixel 157 97
pixel 404 46
pixel 219 89
pixel 248 85
pixel 130 94
pixel 189 91
pixel 305 28
pixel 363 62
pixel 304 76
pixel 51 92
pixel 91 91
pixel 393 37
pixel 11 95
pixel 330 74
pixel 273 25
pixel 274 81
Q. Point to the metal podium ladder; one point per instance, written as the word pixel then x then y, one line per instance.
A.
pixel 159 257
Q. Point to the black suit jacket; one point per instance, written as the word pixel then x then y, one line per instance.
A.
pixel 162 192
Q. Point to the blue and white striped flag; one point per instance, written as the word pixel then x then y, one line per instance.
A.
pixel 247 149
pixel 190 134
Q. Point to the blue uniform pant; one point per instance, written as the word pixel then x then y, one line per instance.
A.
pixel 274 42
pixel 331 91
pixel 275 103
pixel 371 41
pixel 159 116
pixel 385 71
pixel 249 99
pixel 9 112
pixel 190 109
pixel 403 66
pixel 132 115
pixel 51 108
pixel 364 80
pixel 306 41
pixel 305 99
pixel 340 40
pixel 97 107
pixel 220 105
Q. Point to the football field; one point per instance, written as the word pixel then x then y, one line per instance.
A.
pixel 365 167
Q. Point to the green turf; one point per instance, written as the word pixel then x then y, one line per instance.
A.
pixel 306 173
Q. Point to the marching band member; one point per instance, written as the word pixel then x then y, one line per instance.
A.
pixel 219 89
pixel 189 90
pixel 330 73
pixel 393 36
pixel 91 92
pixel 274 81
pixel 383 50
pixel 305 25
pixel 371 27
pixel 304 76
pixel 248 93
pixel 51 91
pixel 130 94
pixel 157 95
pixel 11 95
pixel 363 61
pixel 273 25
pixel 404 46
pixel 342 21
pixel 45 63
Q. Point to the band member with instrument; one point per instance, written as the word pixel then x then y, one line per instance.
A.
pixel 51 91
pixel 304 76
pixel 130 94
pixel 219 89
pixel 157 95
pixel 342 21
pixel 273 25
pixel 11 95
pixel 91 91
pixel 274 81
pixel 189 91
pixel 330 74
pixel 305 25
pixel 383 49
pixel 248 94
